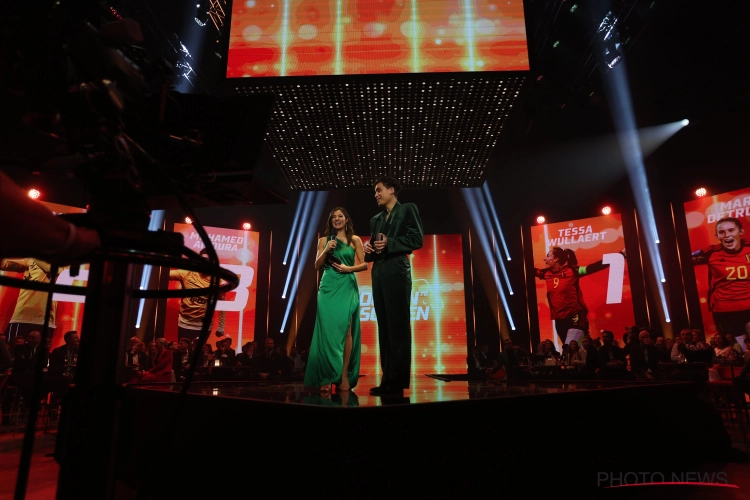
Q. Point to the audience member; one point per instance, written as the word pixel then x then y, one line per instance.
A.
pixel 267 359
pixel 225 354
pixel 612 363
pixel 644 358
pixel 181 360
pixel 298 368
pixel 161 371
pixel 63 360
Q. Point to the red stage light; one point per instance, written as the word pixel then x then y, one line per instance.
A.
pixel 606 210
pixel 188 220
pixel 540 219
pixel 34 194
pixel 246 226
pixel 701 192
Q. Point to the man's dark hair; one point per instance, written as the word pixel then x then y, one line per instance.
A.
pixel 69 334
pixel 389 182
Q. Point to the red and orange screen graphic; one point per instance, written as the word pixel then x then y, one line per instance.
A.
pixel 238 252
pixel 605 294
pixel 68 308
pixel 438 310
pixel 701 216
pixel 338 37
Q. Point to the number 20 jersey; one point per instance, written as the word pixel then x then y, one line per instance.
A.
pixel 728 277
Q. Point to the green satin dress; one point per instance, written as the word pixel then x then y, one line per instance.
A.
pixel 338 308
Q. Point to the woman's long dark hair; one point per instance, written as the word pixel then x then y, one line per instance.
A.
pixel 565 256
pixel 348 227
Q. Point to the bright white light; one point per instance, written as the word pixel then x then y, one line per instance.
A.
pixel 657 242
pixel 188 220
pixel 663 280
pixel 540 219
pixel 34 194
pixel 701 192
pixel 685 122
pixel 246 226
pixel 606 210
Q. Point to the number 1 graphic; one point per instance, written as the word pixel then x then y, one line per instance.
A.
pixel 616 276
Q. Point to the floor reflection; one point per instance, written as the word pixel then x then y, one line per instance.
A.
pixel 422 390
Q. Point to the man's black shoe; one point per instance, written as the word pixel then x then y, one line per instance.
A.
pixel 376 391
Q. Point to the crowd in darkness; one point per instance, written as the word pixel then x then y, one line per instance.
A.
pixel 640 355
pixel 163 361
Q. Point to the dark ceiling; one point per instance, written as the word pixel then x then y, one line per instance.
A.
pixel 428 133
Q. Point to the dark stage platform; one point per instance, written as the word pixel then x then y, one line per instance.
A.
pixel 443 439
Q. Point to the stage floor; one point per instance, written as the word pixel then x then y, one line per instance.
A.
pixel 423 390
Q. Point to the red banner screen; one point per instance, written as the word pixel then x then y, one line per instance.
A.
pixel 605 294
pixel 721 258
pixel 438 310
pixel 338 37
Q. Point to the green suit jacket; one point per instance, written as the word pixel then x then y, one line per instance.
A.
pixel 403 230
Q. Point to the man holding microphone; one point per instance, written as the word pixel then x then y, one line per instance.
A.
pixel 396 232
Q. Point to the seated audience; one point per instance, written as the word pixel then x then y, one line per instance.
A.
pixel 644 358
pixel 181 360
pixel 298 369
pixel 612 363
pixel 225 354
pixel 161 371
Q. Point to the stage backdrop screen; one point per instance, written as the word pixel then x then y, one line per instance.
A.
pixel 238 252
pixel 348 37
pixel 438 310
pixel 721 260
pixel 68 308
pixel 603 286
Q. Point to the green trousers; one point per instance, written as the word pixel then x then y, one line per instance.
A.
pixel 391 293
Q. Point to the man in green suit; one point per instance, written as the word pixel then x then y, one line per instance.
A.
pixel 396 232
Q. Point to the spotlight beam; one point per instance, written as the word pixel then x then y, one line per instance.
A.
pixel 481 202
pixel 618 94
pixel 483 240
pixel 491 204
pixel 300 202
pixel 303 222
pixel 309 232
pixel 157 219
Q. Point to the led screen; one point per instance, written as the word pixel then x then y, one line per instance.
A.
pixel 238 252
pixel 338 37
pixel 721 259
pixel 438 311
pixel 17 306
pixel 593 295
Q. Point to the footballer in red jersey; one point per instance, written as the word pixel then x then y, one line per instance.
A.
pixel 566 305
pixel 729 283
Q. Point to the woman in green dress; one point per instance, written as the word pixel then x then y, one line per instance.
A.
pixel 335 348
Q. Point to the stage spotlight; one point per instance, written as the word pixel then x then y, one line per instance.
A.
pixel 606 210
pixel 34 194
pixel 246 226
pixel 487 230
pixel 540 219
pixel 491 203
pixel 701 192
pixel 483 236
pixel 621 108
pixel 303 200
pixel 154 224
pixel 685 122
pixel 307 235
pixel 188 220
